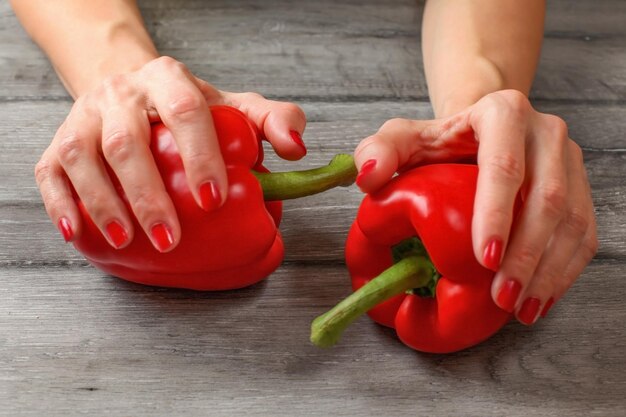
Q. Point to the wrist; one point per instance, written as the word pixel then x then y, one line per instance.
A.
pixel 124 49
pixel 453 91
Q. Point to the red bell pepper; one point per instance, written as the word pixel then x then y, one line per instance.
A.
pixel 232 247
pixel 436 295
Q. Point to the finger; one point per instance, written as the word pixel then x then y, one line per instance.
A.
pixel 542 211
pixel 381 155
pixel 57 197
pixel 401 144
pixel 501 161
pixel 584 253
pixel 282 124
pixel 125 145
pixel 183 109
pixel 549 275
pixel 76 145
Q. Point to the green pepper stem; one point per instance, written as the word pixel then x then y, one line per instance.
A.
pixel 341 171
pixel 411 272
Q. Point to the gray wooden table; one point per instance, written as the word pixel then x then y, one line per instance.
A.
pixel 74 341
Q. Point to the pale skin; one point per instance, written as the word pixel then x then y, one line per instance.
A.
pixel 480 58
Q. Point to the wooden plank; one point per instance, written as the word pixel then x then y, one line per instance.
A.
pixel 585 18
pixel 355 52
pixel 75 342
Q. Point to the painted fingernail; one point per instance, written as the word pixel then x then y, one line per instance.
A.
pixel 528 312
pixel 547 307
pixel 162 237
pixel 210 196
pixel 492 254
pixel 65 227
pixel 295 136
pixel 117 234
pixel 507 297
pixel 366 169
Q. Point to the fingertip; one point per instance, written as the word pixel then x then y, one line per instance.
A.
pixel 210 196
pixel 363 178
pixel 529 311
pixel 505 293
pixel 65 227
pixel 117 234
pixel 377 163
pixel 492 254
pixel 296 138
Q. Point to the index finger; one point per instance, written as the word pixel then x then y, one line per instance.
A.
pixel 500 129
pixel 184 110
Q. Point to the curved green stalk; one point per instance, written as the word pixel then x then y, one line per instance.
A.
pixel 340 172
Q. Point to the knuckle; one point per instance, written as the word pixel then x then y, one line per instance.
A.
pixel 117 145
pixel 43 170
pixel 202 157
pixel 526 257
pixel 251 96
pixel 577 221
pixel 164 63
pixel 557 126
pixel 590 247
pixel 550 273
pixel 506 166
pixel 294 109
pixel 498 215
pixel 552 198
pixel 147 204
pixel 185 106
pixel 71 149
pixel 516 101
pixel 98 204
pixel 513 103
pixel 576 152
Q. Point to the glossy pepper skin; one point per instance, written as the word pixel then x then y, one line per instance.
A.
pixel 232 247
pixel 434 203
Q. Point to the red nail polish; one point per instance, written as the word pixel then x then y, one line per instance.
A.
pixel 507 297
pixel 210 196
pixel 162 237
pixel 366 169
pixel 295 136
pixel 65 227
pixel 117 233
pixel 492 254
pixel 528 312
pixel 547 307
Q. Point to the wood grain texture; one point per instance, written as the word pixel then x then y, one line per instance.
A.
pixel 97 345
pixel 74 341
pixel 362 50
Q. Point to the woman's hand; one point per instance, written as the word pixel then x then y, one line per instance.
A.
pixel 517 148
pixel 111 126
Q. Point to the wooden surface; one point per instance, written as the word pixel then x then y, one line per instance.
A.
pixel 74 341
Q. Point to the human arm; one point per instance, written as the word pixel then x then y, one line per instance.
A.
pixel 480 58
pixel 106 59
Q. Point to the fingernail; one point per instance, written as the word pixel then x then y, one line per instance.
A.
pixel 547 307
pixel 65 227
pixel 492 254
pixel 507 297
pixel 295 136
pixel 366 169
pixel 117 234
pixel 528 312
pixel 210 196
pixel 162 237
